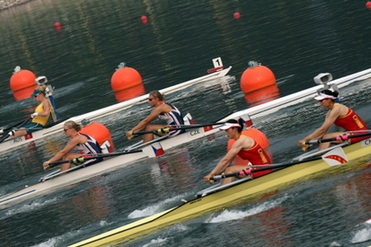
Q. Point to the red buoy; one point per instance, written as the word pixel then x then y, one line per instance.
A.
pixel 101 134
pixel 256 77
pixel 368 4
pixel 22 79
pixel 58 26
pixel 236 15
pixel 144 19
pixel 125 78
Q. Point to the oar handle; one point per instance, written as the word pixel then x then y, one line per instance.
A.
pixel 244 172
pixel 158 131
pixel 23 122
pixel 249 171
pixel 338 138
pixel 82 158
pixel 172 128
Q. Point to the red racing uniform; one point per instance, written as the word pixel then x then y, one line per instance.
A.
pixel 352 122
pixel 257 156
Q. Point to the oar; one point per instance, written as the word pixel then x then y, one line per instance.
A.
pixel 23 122
pixel 249 171
pixel 338 138
pixel 11 127
pixel 178 127
pixel 82 158
pixel 4 138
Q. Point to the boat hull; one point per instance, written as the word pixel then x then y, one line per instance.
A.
pixel 230 196
pixel 16 142
pixel 109 165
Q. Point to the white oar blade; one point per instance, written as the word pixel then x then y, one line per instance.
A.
pixel 247 120
pixel 153 150
pixel 188 119
pixel 335 157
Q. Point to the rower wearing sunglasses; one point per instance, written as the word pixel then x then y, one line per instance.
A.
pixel 163 110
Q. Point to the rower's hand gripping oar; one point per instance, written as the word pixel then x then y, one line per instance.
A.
pixel 344 137
pixel 81 159
pixel 245 119
pixel 167 129
pixel 250 171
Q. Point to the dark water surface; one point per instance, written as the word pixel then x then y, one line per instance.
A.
pixel 296 39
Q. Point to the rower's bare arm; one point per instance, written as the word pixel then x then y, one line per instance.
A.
pixel 46 109
pixel 321 131
pixel 68 148
pixel 228 158
pixel 145 122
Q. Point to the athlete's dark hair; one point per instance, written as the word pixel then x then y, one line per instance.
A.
pixel 235 121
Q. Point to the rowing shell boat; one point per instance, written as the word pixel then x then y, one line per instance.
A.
pixel 53 182
pixel 15 142
pixel 166 144
pixel 257 111
pixel 231 194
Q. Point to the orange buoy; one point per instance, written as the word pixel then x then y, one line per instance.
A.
pixel 256 77
pixel 125 78
pixel 144 19
pixel 130 93
pixel 368 4
pixel 101 134
pixel 22 79
pixel 24 93
pixel 236 15
pixel 262 95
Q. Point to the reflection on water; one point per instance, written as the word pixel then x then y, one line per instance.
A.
pixel 295 39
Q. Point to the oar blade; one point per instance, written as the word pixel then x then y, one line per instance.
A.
pixel 153 150
pixel 335 157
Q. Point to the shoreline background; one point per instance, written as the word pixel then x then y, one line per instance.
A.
pixel 5 4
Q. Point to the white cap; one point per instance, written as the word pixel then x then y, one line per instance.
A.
pixel 230 125
pixel 322 96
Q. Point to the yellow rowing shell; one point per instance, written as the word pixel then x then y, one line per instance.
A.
pixel 224 198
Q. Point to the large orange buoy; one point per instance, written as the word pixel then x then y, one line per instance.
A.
pixel 24 93
pixel 22 79
pixel 262 95
pixel 101 134
pixel 130 93
pixel 125 78
pixel 256 77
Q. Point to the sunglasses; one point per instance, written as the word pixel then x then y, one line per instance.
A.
pixel 150 99
pixel 65 130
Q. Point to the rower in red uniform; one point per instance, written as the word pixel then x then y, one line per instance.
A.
pixel 339 115
pixel 245 147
